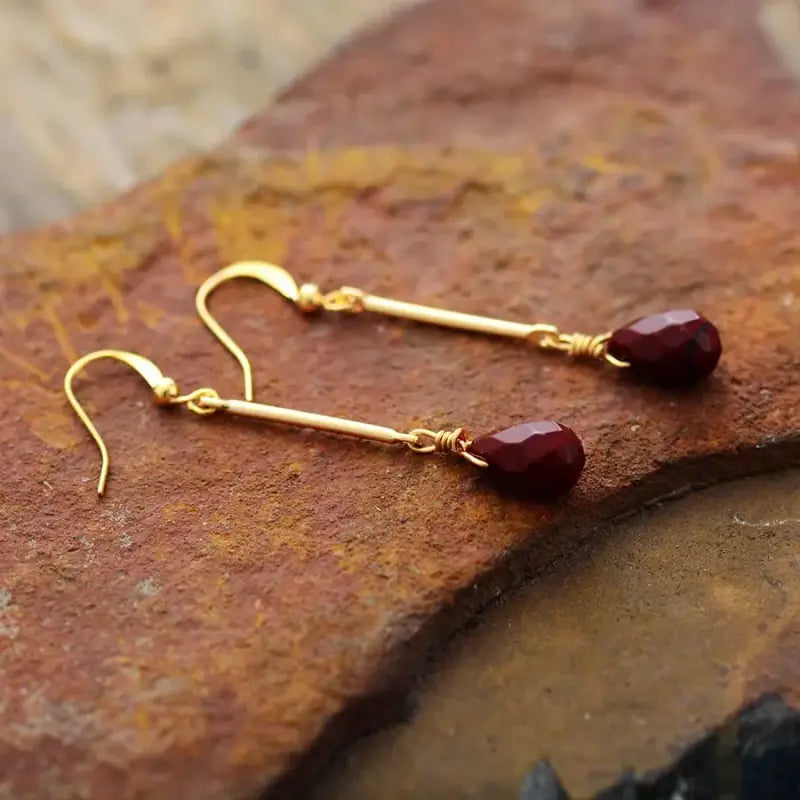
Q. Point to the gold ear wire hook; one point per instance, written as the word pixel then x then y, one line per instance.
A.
pixel 205 401
pixel 309 298
pixel 272 275
pixel 164 389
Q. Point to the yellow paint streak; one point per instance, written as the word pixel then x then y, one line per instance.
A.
pixel 174 511
pixel 712 163
pixel 173 224
pixel 23 364
pixel 150 314
pixel 508 166
pixel 531 203
pixel 784 278
pixel 243 230
pixel 114 294
pixel 221 541
pixel 600 163
pixel 312 164
pixel 54 428
pixel 59 331
pixel 143 722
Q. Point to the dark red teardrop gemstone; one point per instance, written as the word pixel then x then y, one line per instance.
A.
pixel 674 348
pixel 536 459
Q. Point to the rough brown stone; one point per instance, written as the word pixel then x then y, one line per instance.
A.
pixel 222 618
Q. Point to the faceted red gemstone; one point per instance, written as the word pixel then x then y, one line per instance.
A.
pixel 534 458
pixel 674 348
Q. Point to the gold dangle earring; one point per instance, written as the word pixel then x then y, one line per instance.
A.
pixel 539 458
pixel 536 459
pixel 672 348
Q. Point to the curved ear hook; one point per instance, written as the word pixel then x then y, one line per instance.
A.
pixel 272 275
pixel 165 390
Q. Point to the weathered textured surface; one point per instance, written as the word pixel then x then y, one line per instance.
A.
pixel 243 586
pixel 622 655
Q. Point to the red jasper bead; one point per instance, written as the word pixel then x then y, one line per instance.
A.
pixel 674 348
pixel 538 459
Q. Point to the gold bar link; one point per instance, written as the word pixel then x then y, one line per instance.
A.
pixel 544 335
pixel 305 419
pixel 420 440
pixel 452 319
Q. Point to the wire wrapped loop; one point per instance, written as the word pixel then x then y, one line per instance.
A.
pixel 584 345
pixel 455 441
pixel 577 344
pixel 581 345
pixel 437 441
pixel 310 298
pixel 194 400
pixel 346 299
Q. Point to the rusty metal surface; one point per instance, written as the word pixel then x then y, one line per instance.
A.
pixel 243 587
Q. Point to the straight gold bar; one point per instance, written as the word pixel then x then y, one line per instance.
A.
pixel 305 419
pixel 451 319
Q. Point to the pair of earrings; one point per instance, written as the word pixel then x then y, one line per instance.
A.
pixel 534 459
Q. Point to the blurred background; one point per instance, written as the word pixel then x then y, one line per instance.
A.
pixel 95 96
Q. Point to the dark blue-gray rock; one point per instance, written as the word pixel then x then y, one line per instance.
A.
pixel 542 783
pixel 754 755
pixel 626 789
pixel 769 751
